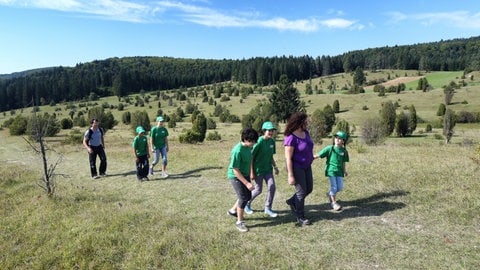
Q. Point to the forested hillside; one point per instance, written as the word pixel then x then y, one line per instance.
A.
pixel 122 76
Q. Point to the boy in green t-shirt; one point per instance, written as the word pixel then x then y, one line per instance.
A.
pixel 159 145
pixel 335 166
pixel 239 171
pixel 140 150
pixel 263 165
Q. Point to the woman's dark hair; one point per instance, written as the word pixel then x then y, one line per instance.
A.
pixel 249 134
pixel 295 121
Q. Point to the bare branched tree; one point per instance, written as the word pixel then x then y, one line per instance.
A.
pixel 37 143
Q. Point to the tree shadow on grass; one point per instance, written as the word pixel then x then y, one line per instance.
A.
pixel 187 174
pixel 157 175
pixel 375 205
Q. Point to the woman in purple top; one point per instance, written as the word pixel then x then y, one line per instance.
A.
pixel 299 158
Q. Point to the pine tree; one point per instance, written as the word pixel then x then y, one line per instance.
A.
pixel 358 77
pixel 388 116
pixel 285 99
pixel 412 119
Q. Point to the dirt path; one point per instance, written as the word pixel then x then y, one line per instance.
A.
pixel 397 81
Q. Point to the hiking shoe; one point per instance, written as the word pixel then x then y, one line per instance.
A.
pixel 241 226
pixel 95 177
pixel 145 178
pixel 329 197
pixel 164 174
pixel 233 214
pixel 292 205
pixel 303 222
pixel 150 171
pixel 248 210
pixel 270 213
pixel 103 175
pixel 336 206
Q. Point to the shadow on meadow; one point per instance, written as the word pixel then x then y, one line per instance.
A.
pixel 185 175
pixel 157 175
pixel 375 205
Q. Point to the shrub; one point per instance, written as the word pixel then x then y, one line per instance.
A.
pixel 140 118
pixel 441 109
pixel 126 118
pixel 211 124
pixel 80 121
pixel 428 128
pixel 373 131
pixel 66 123
pixel 74 137
pixel 190 137
pixel 44 125
pixel 214 136
pixel 18 125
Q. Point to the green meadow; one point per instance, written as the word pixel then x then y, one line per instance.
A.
pixel 409 203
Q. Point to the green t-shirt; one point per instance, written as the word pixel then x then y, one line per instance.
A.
pixel 140 143
pixel 336 158
pixel 262 153
pixel 240 158
pixel 158 135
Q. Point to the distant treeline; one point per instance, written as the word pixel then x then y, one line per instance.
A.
pixel 123 76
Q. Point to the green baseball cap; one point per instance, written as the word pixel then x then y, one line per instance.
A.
pixel 140 129
pixel 341 135
pixel 268 125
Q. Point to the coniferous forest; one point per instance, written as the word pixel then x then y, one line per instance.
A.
pixel 123 76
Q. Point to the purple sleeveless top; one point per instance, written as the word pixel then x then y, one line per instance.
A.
pixel 303 149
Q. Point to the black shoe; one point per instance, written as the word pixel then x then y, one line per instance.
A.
pixel 292 205
pixel 303 221
pixel 233 214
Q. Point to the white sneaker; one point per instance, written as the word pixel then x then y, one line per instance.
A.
pixel 270 213
pixel 336 206
pixel 164 174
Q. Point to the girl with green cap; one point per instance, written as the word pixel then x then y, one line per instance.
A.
pixel 335 166
pixel 263 165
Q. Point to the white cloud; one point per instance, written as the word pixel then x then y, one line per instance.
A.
pixel 458 19
pixel 150 11
pixel 337 23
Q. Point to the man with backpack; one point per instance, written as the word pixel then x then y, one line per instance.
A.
pixel 95 144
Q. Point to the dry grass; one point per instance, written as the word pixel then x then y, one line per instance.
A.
pixel 411 203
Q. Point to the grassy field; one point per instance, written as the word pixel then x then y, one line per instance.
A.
pixel 410 203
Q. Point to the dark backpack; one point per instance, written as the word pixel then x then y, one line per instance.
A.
pixel 90 133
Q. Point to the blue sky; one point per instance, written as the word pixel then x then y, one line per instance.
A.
pixel 45 33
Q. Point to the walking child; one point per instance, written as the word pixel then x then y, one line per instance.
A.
pixel 238 173
pixel 140 150
pixel 335 166
pixel 159 145
pixel 263 164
